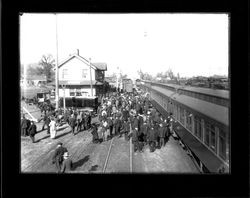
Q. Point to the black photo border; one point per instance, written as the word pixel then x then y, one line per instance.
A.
pixel 14 183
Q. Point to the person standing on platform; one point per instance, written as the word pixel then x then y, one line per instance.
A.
pixel 135 140
pixel 32 131
pixel 95 137
pixel 117 125
pixel 67 164
pixel 79 122
pixel 89 120
pixel 72 123
pixel 162 135
pixel 152 139
pixel 52 126
pixel 145 134
pixel 110 124
pixel 125 129
pixel 58 156
pixel 24 126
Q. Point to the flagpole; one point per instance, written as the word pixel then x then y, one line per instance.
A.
pixel 56 76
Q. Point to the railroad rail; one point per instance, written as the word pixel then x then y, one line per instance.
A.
pixel 130 154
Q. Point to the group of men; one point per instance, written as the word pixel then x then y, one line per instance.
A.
pixel 28 128
pixel 132 116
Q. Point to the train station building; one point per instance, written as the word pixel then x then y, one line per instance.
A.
pixel 77 74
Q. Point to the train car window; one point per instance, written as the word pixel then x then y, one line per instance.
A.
pixel 213 143
pixel 222 144
pixel 207 134
pixel 181 115
pixel 198 127
pixel 188 120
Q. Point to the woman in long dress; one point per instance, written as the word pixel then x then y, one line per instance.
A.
pixel 52 125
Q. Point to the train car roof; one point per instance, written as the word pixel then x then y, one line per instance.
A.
pixel 214 111
pixel 208 91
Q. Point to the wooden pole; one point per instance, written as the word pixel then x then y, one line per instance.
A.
pixel 91 85
pixel 57 90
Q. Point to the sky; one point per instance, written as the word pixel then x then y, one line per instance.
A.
pixel 189 44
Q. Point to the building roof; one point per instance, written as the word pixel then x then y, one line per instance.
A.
pixel 96 66
pixel 101 66
pixel 214 111
pixel 77 82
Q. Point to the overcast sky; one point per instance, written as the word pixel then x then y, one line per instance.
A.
pixel 191 44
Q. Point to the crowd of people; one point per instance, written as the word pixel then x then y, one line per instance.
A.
pixel 127 115
pixel 132 115
pixel 52 119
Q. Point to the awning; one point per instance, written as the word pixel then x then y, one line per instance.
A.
pixel 206 156
pixel 77 82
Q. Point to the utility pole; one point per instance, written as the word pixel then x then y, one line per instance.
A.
pixel 91 85
pixel 117 79
pixel 64 104
pixel 57 90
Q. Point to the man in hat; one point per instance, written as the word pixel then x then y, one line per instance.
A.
pixel 24 125
pixel 95 138
pixel 117 125
pixel 162 134
pixel 58 156
pixel 32 131
pixel 66 163
pixel 110 124
pixel 144 131
pixel 135 140
pixel 72 123
pixel 125 129
pixel 152 139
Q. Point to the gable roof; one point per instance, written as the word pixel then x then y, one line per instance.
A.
pixel 99 66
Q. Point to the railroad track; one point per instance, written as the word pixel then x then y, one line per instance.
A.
pixel 110 150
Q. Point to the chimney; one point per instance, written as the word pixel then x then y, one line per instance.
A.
pixel 77 51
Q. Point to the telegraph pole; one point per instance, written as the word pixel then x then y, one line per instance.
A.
pixel 57 90
pixel 91 85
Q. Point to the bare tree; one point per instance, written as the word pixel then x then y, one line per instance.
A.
pixel 48 63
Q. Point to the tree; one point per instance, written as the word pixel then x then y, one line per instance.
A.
pixel 48 63
pixel 34 69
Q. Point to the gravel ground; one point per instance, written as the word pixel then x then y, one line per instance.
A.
pixel 119 157
pixel 169 159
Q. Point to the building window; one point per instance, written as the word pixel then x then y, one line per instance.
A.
pixel 84 73
pixel 78 92
pixel 182 115
pixel 198 127
pixel 189 120
pixel 72 92
pixel 64 73
pixel 222 144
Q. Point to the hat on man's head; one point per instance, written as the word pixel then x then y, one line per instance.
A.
pixel 59 143
pixel 66 154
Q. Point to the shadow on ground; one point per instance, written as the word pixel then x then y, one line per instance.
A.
pixel 80 162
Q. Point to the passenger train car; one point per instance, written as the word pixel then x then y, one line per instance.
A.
pixel 201 121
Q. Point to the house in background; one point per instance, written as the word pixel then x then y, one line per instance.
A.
pixel 76 74
pixel 33 80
